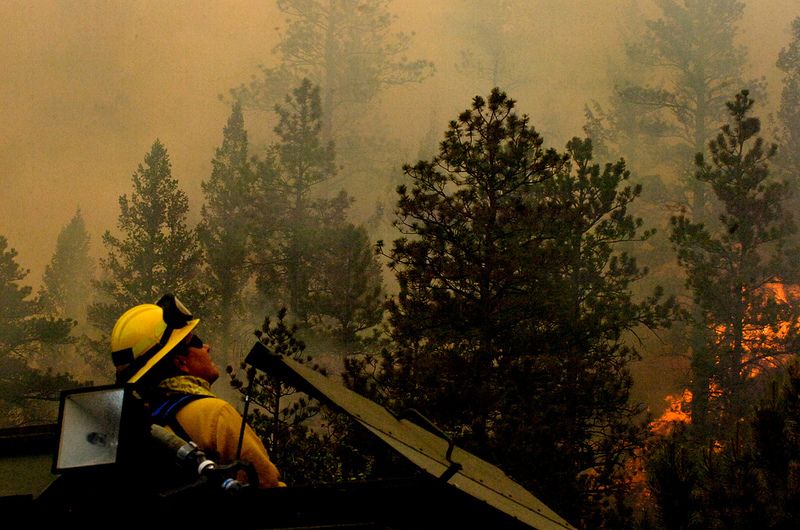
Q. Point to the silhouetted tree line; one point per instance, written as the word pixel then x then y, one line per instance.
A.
pixel 524 284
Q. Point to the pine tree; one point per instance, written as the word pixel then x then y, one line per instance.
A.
pixel 155 252
pixel 352 51
pixel 514 302
pixel 25 381
pixel 67 292
pixel 296 165
pixel 225 230
pixel 775 439
pixel 746 479
pixel 730 266
pixel 789 112
pixel 682 65
pixel 67 281
pixel 692 46
pixel 349 287
pixel 674 476
pixel 345 47
pixel 289 422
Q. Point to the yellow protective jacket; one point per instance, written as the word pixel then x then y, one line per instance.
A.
pixel 214 425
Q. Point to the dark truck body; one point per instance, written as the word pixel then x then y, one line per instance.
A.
pixel 449 488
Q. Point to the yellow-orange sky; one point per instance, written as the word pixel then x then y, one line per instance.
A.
pixel 86 86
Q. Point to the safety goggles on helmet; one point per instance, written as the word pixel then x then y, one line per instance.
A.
pixel 175 313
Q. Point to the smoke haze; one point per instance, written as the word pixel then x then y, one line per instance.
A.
pixel 87 86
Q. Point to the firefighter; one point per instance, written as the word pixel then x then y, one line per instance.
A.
pixel 155 349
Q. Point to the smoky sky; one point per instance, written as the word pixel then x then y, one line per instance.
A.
pixel 87 86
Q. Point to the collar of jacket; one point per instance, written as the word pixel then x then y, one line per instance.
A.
pixel 186 384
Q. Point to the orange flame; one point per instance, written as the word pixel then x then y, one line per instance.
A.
pixel 767 338
pixel 677 412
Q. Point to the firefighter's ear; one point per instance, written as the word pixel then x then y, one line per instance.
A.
pixel 179 361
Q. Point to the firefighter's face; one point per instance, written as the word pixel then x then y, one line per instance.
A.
pixel 197 360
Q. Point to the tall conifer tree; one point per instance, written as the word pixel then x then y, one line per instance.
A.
pixel 25 328
pixel 155 252
pixel 67 281
pixel 225 229
pixel 67 292
pixel 349 286
pixel 514 303
pixel 296 164
pixel 789 112
pixel 345 47
pixel 693 63
pixel 730 267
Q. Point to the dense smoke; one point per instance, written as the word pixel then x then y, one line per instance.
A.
pixel 88 86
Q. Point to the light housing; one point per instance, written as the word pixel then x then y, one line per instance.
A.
pixel 90 428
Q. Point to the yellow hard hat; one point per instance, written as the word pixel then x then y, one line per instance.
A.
pixel 144 334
